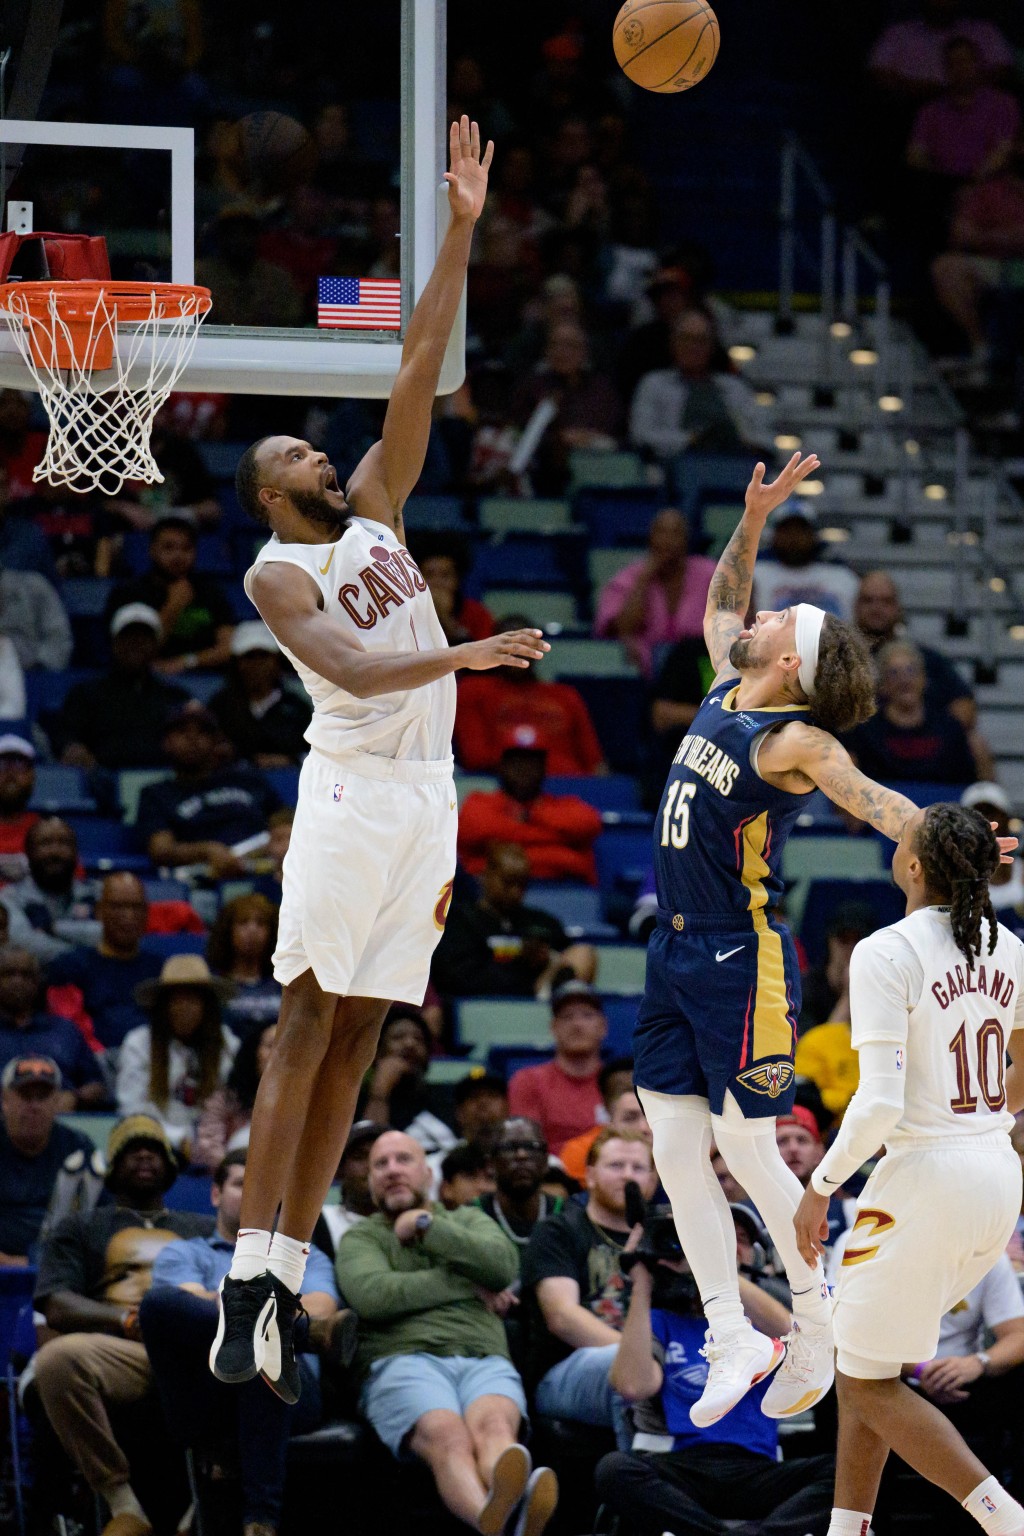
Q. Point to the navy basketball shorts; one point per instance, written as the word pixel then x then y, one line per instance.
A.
pixel 720 1006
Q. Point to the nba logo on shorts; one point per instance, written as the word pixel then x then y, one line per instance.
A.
pixel 899 1058
pixel 338 788
pixel 987 1504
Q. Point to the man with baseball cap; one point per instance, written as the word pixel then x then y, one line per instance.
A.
pixel 564 1095
pixel 118 721
pixel 17 785
pixel 264 721
pixel 34 1149
pixel 196 620
pixel 94 1269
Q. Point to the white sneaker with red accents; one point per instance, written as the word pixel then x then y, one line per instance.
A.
pixel 806 1373
pixel 736 1363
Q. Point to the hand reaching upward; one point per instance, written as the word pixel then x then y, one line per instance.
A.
pixel 467 179
pixel 761 499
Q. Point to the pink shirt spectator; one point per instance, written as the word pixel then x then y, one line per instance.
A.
pixel 565 1106
pixel 959 138
pixel 917 51
pixel 663 625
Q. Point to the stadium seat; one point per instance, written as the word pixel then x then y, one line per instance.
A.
pixel 513 514
pixel 504 1060
pixel 719 524
pixel 620 470
pixel 847 858
pixel 571 657
pixel 617 517
pixel 46 691
pixel 190 1192
pixel 435 512
pixel 618 708
pixel 85 596
pixel 159 889
pixel 624 857
pixel 285 781
pixel 603 564
pixel 96 1126
pixel 167 944
pixel 824 896
pixel 577 908
pixel 606 792
pixel 538 606
pixel 447 1069
pixel 621 968
pixel 130 784
pixel 621 1014
pixel 99 838
pixel 481 1022
pixel 219 459
pixel 201 685
pixel 60 789
pixel 470 783
pixel 529 562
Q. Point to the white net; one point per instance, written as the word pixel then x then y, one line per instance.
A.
pixel 101 416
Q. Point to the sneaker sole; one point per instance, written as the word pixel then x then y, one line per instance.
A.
pixel 778 1355
pixel 541 1503
pixel 508 1485
pixel 812 1396
pixel 259 1347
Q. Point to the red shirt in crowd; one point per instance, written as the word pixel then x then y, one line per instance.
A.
pixel 14 830
pixel 565 1106
pixel 556 832
pixel 494 713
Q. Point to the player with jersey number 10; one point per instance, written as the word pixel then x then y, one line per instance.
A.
pixel 935 1001
pixel 368 874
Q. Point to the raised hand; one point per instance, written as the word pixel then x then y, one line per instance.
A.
pixel 467 179
pixel 761 500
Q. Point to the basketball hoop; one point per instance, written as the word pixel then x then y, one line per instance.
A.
pixel 104 357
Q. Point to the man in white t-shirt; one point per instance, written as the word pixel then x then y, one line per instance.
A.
pixel 368 874
pixel 793 571
pixel 936 1000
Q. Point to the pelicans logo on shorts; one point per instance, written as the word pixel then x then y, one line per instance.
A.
pixel 444 901
pixel 874 1223
pixel 771 1078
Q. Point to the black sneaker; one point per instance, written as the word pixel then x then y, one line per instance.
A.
pixel 246 1320
pixel 279 1368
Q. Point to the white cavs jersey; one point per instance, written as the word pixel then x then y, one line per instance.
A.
pixel 910 984
pixel 372 587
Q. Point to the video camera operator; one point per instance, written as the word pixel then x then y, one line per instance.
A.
pixel 676 1477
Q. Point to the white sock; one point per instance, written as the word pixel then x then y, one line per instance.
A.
pixel 995 1510
pixel 288 1261
pixel 122 1501
pixel 681 1127
pixel 849 1522
pixel 252 1254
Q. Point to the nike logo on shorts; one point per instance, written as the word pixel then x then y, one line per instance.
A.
pixel 720 957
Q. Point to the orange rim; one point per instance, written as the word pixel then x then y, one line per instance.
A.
pixel 131 302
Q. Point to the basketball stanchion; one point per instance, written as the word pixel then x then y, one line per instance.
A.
pixel 104 356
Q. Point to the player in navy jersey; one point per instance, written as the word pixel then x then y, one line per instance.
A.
pixel 716 1031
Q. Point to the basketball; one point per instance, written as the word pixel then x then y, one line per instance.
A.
pixel 275 150
pixel 665 45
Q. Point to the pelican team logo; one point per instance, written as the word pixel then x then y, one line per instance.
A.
pixel 444 901
pixel 772 1078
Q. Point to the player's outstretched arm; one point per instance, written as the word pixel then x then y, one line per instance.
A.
pixel 289 601
pixel 798 756
pixel 732 583
pixel 381 482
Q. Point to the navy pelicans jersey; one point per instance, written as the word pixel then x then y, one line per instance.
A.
pixel 722 993
pixel 721 829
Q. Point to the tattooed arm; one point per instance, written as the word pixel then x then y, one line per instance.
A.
pixel 800 757
pixel 731 585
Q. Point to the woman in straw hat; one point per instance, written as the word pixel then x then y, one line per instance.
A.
pixel 169 1067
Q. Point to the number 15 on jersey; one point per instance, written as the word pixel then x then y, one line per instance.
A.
pixel 675 818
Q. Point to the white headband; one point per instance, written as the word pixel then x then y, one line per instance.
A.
pixel 808 635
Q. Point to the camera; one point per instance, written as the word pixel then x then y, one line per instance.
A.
pixel 672 1290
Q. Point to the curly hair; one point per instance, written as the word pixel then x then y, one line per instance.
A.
pixel 844 684
pixel 248 480
pixel 220 949
pixel 959 855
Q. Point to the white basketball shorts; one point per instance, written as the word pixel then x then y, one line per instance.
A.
pixel 930 1224
pixel 368 875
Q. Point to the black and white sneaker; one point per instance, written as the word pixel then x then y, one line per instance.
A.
pixel 246 1321
pixel 279 1367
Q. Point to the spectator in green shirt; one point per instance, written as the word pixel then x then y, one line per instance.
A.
pixel 430 1288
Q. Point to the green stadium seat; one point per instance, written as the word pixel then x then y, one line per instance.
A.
pixel 603 564
pixel 541 607
pixel 130 784
pixel 469 783
pixel 448 1069
pixel 96 1127
pixel 485 1021
pixel 621 968
pixel 620 470
pixel 512 514
pixel 586 658
pixel 719 524
pixel 828 858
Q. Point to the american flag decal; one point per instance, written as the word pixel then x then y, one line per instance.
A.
pixel 359 303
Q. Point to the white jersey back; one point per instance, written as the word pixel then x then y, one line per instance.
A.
pixel 950 1022
pixel 372 587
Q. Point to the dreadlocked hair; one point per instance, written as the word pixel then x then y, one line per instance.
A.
pixel 959 855
pixel 844 681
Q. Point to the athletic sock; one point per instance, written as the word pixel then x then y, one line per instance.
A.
pixel 252 1254
pixel 814 1305
pixel 725 1316
pixel 122 1501
pixel 288 1261
pixel 996 1511
pixel 849 1522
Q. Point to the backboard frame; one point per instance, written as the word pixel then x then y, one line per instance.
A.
pixel 270 361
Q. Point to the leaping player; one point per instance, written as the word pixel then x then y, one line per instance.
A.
pixel 368 875
pixel 716 1031
pixel 933 1005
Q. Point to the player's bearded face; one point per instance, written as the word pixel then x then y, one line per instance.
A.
pixel 751 655
pixel 315 506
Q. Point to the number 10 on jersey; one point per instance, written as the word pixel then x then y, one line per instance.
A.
pixel 675 818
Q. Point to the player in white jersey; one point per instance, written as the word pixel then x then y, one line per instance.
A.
pixel 368 875
pixel 934 1005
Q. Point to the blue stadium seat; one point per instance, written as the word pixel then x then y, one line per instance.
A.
pixel 624 857
pixel 61 789
pixel 201 685
pixel 100 838
pixel 503 1060
pixel 617 517
pixel 213 554
pixel 824 896
pixel 190 1192
pixel 159 889
pixel 285 781
pixel 220 459
pixel 46 691
pixel 577 908
pixel 167 944
pixel 621 1014
pixel 435 512
pixel 524 563
pixel 606 792
pixel 85 596
pixel 618 708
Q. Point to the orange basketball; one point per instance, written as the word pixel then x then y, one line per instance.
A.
pixel 665 45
